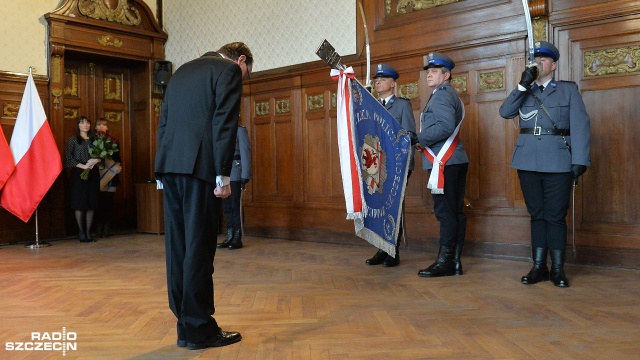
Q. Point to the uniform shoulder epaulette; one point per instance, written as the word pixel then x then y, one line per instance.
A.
pixel 403 98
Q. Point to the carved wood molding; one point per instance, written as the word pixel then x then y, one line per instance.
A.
pixel 621 60
pixel 109 10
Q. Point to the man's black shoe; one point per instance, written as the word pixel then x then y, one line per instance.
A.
pixel 377 259
pixel 224 338
pixel 181 343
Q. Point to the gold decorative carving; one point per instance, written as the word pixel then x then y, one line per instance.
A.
pixel 315 102
pixel 539 29
pixel 283 106
pixel 459 83
pixel 112 87
pixel 55 68
pixel 121 12
pixel 493 80
pixel 387 7
pixel 622 60
pixel 408 90
pixel 113 116
pixel 407 6
pixel 10 110
pixel 334 99
pixel 71 113
pixel 157 104
pixel 108 40
pixel 262 108
pixel 56 97
pixel 71 82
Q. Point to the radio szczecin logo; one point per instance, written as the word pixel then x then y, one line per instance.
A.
pixel 46 341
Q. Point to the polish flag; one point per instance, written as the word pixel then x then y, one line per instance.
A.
pixel 6 160
pixel 36 156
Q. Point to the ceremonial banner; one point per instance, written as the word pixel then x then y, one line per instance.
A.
pixel 375 163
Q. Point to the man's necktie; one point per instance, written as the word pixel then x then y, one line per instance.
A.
pixel 384 102
pixel 541 88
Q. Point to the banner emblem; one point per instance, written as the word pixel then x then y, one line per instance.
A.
pixel 374 167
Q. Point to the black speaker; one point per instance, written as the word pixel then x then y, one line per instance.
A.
pixel 162 72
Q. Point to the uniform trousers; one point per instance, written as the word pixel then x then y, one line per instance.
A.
pixel 190 213
pixel 547 198
pixel 448 207
pixel 231 206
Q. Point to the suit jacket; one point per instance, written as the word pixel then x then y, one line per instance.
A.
pixel 548 153
pixel 438 121
pixel 400 109
pixel 241 167
pixel 199 119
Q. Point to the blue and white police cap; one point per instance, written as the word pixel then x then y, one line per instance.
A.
pixel 543 48
pixel 436 59
pixel 384 70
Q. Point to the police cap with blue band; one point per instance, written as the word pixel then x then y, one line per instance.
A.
pixel 543 48
pixel 384 70
pixel 437 59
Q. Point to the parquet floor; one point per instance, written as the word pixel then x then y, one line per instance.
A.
pixel 302 300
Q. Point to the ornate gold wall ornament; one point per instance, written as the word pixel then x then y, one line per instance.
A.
pixel 315 102
pixel 407 6
pixel 157 104
pixel 55 68
pixel 10 110
pixel 106 10
pixel 108 40
pixel 539 28
pixel 621 60
pixel 334 99
pixel 56 97
pixel 459 83
pixel 492 80
pixel 262 108
pixel 71 113
pixel 112 87
pixel 408 90
pixel 113 116
pixel 283 106
pixel 71 82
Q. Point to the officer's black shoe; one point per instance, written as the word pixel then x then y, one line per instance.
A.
pixel 539 271
pixel 377 259
pixel 224 338
pixel 444 266
pixel 226 241
pixel 456 259
pixel 391 261
pixel 236 241
pixel 557 268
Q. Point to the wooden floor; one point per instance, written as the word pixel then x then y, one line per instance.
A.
pixel 302 300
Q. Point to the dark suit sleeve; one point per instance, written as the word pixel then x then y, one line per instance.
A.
pixel 225 118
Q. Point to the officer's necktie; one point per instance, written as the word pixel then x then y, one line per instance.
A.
pixel 541 88
pixel 384 102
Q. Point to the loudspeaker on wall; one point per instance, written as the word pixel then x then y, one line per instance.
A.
pixel 162 72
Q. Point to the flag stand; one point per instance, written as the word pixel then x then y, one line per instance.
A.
pixel 37 244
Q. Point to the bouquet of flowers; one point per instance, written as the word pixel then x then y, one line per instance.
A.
pixel 103 146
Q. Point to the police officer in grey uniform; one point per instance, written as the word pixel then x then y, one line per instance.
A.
pixel 441 116
pixel 400 109
pixel 551 152
pixel 240 176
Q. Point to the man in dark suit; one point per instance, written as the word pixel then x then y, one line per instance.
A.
pixel 240 176
pixel 551 152
pixel 196 137
pixel 439 125
pixel 400 109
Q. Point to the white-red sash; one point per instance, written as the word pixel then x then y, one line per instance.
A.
pixel 436 179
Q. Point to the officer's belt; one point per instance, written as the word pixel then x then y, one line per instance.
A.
pixel 543 131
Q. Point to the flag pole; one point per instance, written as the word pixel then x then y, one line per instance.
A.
pixel 37 244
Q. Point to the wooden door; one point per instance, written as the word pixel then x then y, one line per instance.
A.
pixel 102 89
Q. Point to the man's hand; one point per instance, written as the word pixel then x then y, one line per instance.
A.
pixel 222 191
pixel 529 75
pixel 243 182
pixel 577 171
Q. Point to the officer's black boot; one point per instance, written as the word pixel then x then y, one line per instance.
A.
pixel 456 259
pixel 226 241
pixel 444 266
pixel 391 261
pixel 378 258
pixel 557 268
pixel 236 241
pixel 539 271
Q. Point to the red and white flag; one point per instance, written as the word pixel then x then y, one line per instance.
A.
pixel 6 160
pixel 36 156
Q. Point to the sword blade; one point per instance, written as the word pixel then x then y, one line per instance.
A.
pixel 527 17
pixel 367 83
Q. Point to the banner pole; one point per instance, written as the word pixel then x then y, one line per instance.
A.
pixel 37 244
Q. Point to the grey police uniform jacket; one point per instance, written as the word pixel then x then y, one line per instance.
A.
pixel 241 165
pixel 400 109
pixel 549 153
pixel 438 121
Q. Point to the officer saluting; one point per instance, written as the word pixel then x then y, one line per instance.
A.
pixel 400 109
pixel 551 152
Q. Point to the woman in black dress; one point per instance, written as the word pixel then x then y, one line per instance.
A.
pixel 84 193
